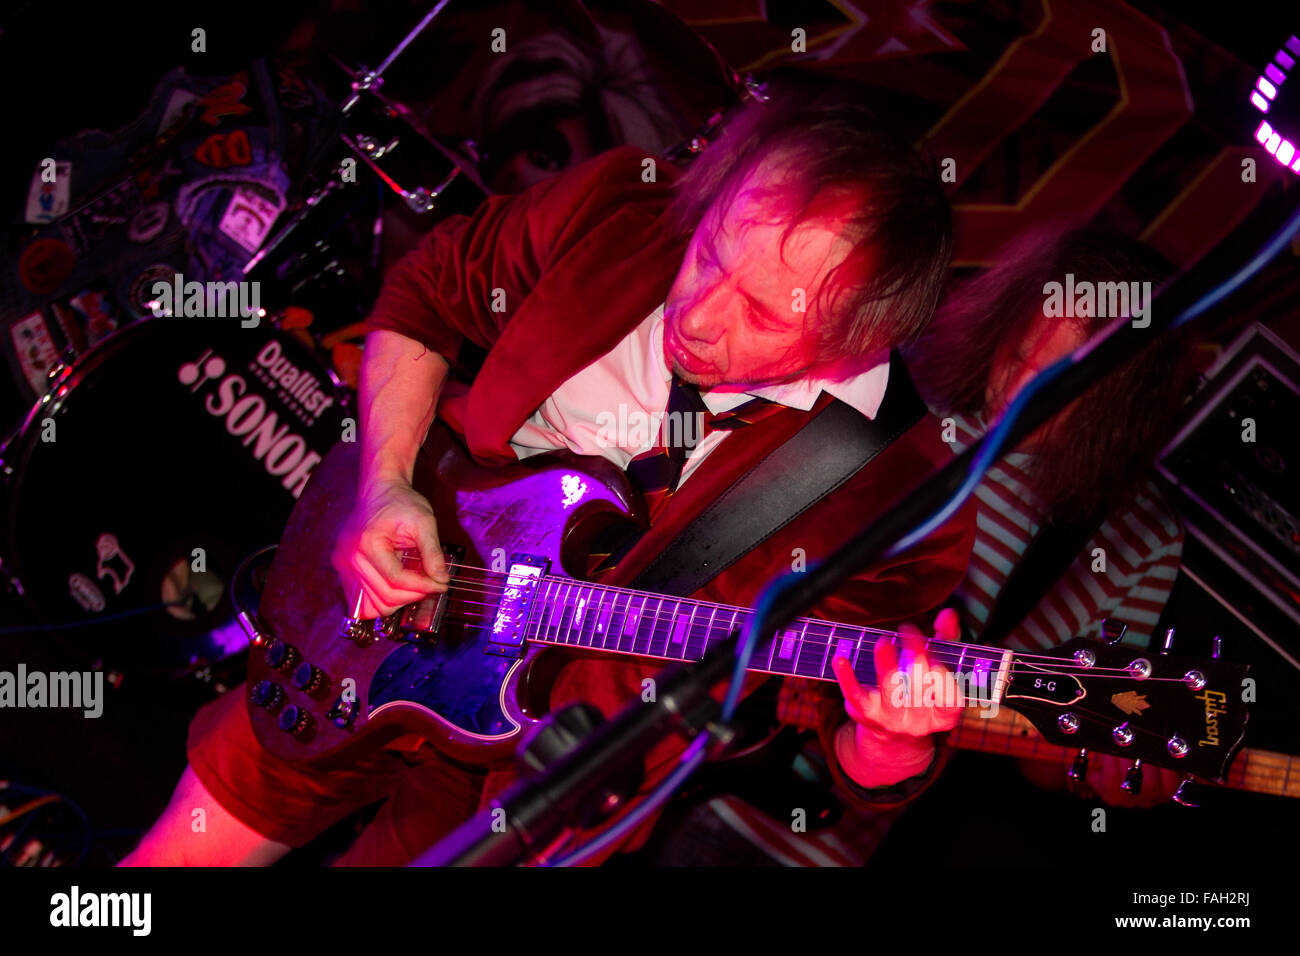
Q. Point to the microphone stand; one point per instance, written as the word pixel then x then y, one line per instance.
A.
pixel 599 773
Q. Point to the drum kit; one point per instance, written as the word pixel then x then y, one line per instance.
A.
pixel 161 457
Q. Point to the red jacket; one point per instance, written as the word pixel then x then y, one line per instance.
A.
pixel 582 260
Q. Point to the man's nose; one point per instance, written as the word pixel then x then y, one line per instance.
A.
pixel 703 320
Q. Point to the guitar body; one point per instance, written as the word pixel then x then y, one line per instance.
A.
pixel 448 686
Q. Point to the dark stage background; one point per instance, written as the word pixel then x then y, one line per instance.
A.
pixel 1148 140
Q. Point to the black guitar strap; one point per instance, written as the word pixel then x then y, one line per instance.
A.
pixel 829 450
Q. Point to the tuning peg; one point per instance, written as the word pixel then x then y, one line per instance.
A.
pixel 1133 778
pixel 1218 646
pixel 1079 769
pixel 1113 631
pixel 1181 796
pixel 1169 642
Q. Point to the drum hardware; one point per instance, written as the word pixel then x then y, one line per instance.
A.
pixel 750 91
pixel 371 145
pixel 392 109
pixel 369 81
pixel 420 200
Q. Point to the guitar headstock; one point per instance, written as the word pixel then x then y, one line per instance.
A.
pixel 1177 712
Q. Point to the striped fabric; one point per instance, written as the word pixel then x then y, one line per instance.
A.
pixel 658 471
pixel 1142 547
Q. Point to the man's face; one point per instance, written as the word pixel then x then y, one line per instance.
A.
pixel 730 317
pixel 1016 363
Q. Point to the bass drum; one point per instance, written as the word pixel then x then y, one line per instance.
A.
pixel 152 468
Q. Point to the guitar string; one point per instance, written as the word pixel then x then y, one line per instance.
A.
pixel 942 657
pixel 1093 717
pixel 610 589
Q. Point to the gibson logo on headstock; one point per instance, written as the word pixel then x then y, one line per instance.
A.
pixel 1213 699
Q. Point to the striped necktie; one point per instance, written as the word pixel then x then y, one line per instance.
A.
pixel 658 471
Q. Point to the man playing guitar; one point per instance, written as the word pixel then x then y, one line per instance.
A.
pixel 781 270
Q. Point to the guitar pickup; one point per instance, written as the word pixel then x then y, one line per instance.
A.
pixel 506 636
pixel 424 618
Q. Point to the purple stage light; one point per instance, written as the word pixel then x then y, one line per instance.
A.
pixel 1268 85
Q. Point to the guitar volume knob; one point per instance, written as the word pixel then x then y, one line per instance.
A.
pixel 266 694
pixel 281 656
pixel 308 677
pixel 296 722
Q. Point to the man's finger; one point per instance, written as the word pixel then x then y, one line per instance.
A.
pixel 435 563
pixel 388 565
pixel 377 586
pixel 848 680
pixel 947 625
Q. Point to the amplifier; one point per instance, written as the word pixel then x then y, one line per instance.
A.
pixel 1235 472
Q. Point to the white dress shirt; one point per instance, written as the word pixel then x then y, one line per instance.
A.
pixel 610 407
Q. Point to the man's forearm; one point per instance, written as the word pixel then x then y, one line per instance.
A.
pixel 401 381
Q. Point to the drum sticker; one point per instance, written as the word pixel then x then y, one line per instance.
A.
pixel 248 416
pixel 36 350
pixel 141 293
pixel 294 94
pixel 69 323
pixel 146 224
pixel 88 225
pixel 113 562
pixel 48 201
pixel 225 101
pixel 151 180
pixel 96 312
pixel 45 265
pixel 249 218
pixel 175 109
pixel 194 374
pixel 86 593
pixel 223 150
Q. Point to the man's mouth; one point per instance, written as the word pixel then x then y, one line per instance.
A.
pixel 682 357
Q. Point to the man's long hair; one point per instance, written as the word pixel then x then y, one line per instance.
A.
pixel 1095 453
pixel 829 143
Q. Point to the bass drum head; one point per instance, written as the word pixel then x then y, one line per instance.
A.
pixel 169 453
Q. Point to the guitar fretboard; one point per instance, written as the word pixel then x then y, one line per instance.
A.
pixel 623 621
